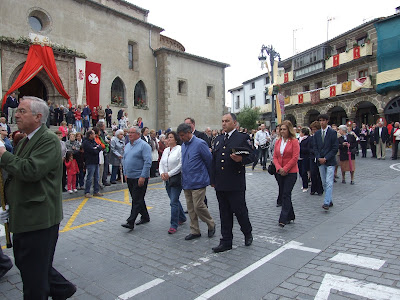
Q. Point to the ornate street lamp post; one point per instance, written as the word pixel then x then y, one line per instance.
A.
pixel 270 51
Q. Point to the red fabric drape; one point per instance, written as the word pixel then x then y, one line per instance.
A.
pixel 39 57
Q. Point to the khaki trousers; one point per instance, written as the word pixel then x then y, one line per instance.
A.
pixel 380 146
pixel 197 209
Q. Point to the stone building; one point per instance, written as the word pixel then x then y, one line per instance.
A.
pixel 147 74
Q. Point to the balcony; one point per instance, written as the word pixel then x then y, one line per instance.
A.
pixel 284 77
pixel 265 108
pixel 350 55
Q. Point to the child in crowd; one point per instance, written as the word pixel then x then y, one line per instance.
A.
pixel 72 169
pixel 80 159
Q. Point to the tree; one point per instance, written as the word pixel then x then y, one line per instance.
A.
pixel 248 117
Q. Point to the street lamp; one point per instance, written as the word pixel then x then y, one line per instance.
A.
pixel 270 51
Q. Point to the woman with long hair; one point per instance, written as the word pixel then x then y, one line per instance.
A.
pixel 170 171
pixel 286 154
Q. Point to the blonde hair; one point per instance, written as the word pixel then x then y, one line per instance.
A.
pixel 289 125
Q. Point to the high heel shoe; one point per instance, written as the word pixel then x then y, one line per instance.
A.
pixel 282 225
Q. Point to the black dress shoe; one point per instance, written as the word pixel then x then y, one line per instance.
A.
pixel 331 204
pixel 221 248
pixel 211 232
pixel 192 236
pixel 128 225
pixel 67 294
pixel 278 205
pixel 142 221
pixel 282 225
pixel 107 184
pixel 113 182
pixel 320 194
pixel 325 206
pixel 248 240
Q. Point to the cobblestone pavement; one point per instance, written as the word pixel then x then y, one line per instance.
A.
pixel 349 252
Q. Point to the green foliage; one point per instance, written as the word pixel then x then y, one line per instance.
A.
pixel 248 117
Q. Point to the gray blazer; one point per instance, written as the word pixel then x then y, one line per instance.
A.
pixel 117 149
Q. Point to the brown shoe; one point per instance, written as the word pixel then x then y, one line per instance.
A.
pixel 97 194
pixel 88 195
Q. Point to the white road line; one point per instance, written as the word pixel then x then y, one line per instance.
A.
pixel 395 167
pixel 291 245
pixel 140 289
pixel 358 260
pixel 355 287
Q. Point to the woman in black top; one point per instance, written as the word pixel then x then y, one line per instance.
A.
pixel 347 143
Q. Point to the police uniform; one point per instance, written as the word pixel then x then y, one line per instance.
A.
pixel 228 178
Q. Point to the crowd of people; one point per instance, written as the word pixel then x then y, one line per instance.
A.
pixel 187 160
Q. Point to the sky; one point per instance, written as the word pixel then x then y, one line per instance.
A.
pixel 233 32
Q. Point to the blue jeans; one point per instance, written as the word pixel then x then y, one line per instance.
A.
pixel 114 173
pixel 177 213
pixel 92 171
pixel 78 125
pixel 327 173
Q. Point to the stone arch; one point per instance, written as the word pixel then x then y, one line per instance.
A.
pixel 118 92
pixel 311 116
pixel 364 112
pixel 337 115
pixel 392 110
pixel 291 118
pixel 140 95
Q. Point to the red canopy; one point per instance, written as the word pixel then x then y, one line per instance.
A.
pixel 39 57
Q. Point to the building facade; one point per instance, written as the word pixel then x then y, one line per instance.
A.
pixel 131 51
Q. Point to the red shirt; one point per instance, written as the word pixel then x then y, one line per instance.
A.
pixel 72 167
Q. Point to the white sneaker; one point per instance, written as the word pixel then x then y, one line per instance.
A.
pixel 70 191
pixel 75 190
pixel 305 190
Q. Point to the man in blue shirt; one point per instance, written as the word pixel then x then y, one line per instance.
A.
pixel 136 163
pixel 196 167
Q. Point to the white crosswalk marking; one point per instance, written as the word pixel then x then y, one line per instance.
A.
pixel 358 260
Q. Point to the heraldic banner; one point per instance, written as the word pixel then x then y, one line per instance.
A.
pixel 39 57
pixel 93 72
pixel 80 67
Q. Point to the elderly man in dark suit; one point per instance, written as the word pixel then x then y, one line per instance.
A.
pixel 325 145
pixel 33 192
pixel 381 136
pixel 228 179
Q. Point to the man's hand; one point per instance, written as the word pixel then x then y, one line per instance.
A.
pixel 322 160
pixel 4 215
pixel 141 181
pixel 237 158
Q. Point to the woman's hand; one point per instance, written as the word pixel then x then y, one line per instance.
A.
pixel 282 172
pixel 164 176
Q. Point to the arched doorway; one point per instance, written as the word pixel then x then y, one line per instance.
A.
pixel 292 119
pixel 34 87
pixel 312 116
pixel 392 110
pixel 366 113
pixel 337 115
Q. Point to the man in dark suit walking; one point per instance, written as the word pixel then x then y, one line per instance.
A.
pixel 228 179
pixel 325 145
pixel 381 135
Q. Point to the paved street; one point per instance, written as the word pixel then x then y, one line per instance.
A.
pixel 349 252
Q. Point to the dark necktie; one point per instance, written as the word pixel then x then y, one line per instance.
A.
pixel 226 137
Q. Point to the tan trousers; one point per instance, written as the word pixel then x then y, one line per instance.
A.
pixel 380 146
pixel 197 209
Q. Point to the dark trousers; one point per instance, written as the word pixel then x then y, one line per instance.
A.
pixel 364 148
pixel 5 263
pixel 304 167
pixel 34 252
pixel 64 177
pixel 153 169
pixel 106 168
pixel 395 149
pixel 232 202
pixel 138 204
pixel 108 121
pixel 262 157
pixel 80 178
pixel 373 149
pixel 286 184
pixel 316 183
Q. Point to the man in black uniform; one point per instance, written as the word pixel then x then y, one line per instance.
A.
pixel 228 179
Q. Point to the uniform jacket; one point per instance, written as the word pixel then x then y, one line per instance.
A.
pixel 326 149
pixel 33 188
pixel 287 161
pixel 196 164
pixel 226 174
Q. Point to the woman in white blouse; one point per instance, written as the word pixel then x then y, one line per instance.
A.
pixel 170 170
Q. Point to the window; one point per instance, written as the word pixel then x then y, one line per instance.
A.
pixel 306 88
pixel 39 20
pixel 361 41
pixel 133 56
pixel 363 73
pixel 266 80
pixel 340 49
pixel 252 101
pixel 140 95
pixel 253 85
pixel 237 103
pixel 318 85
pixel 182 86
pixel 287 93
pixel 35 24
pixel 210 91
pixel 342 77
pixel 267 99
pixel 118 92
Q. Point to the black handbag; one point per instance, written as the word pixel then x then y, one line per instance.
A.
pixel 271 168
pixel 176 180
